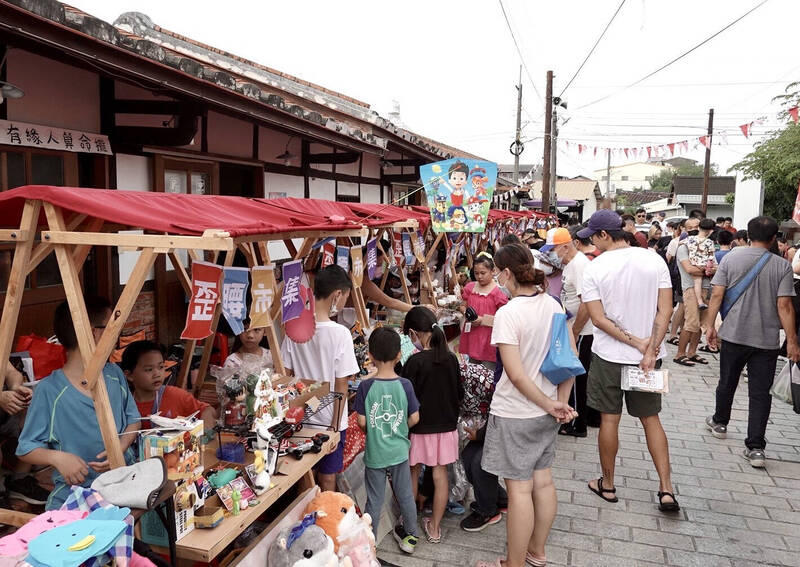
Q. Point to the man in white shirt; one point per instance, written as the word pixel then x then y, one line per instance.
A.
pixel 628 293
pixel 573 262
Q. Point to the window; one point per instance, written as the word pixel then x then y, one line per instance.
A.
pixel 604 178
pixel 29 166
pixel 624 178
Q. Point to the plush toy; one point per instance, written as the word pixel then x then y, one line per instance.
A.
pixel 303 545
pixel 352 535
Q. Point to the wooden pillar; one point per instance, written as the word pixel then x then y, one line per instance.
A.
pixel 16 280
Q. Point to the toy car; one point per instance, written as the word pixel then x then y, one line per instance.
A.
pixel 313 445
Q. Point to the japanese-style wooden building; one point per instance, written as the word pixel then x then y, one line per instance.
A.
pixel 132 106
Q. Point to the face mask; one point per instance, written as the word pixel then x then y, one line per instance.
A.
pixel 554 259
pixel 416 342
pixel 693 232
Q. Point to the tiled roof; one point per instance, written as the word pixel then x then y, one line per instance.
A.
pixel 642 197
pixel 137 33
pixel 717 185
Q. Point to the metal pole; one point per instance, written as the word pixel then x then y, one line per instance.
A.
pixel 707 168
pixel 548 125
pixel 519 127
pixel 554 149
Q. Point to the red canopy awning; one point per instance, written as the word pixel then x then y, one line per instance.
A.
pixel 172 213
pixel 367 214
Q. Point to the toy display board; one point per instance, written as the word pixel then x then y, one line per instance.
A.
pixel 459 193
pixel 153 531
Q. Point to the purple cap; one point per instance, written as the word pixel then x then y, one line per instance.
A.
pixel 604 219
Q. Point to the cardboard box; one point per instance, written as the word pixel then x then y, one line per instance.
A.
pixel 153 530
pixel 181 450
pixel 323 389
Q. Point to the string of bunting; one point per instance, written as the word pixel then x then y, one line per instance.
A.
pixel 672 148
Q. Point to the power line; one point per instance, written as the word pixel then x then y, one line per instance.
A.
pixel 608 25
pixel 661 86
pixel 519 52
pixel 679 57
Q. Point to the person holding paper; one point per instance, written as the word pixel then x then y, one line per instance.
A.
pixel 628 292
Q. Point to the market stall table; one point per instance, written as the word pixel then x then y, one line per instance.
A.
pixel 206 544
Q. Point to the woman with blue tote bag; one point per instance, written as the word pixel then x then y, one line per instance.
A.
pixel 526 408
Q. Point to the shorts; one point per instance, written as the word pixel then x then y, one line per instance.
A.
pixel 692 318
pixel 333 463
pixel 604 393
pixel 433 449
pixel 515 447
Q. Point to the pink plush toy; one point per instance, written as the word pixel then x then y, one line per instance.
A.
pixel 16 544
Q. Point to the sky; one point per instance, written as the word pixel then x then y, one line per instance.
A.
pixel 452 65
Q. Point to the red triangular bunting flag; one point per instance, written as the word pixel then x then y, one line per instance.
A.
pixel 793 112
pixel 580 148
pixel 685 145
pixel 566 143
pixel 672 148
pixel 705 141
pixel 626 152
pixel 745 128
pixel 649 151
pixel 595 151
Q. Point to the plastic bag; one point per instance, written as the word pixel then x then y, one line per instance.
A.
pixel 459 485
pixel 782 386
pixel 560 363
pixel 47 354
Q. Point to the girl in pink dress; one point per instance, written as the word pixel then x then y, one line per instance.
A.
pixel 485 297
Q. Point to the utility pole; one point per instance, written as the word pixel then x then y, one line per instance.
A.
pixel 707 168
pixel 548 125
pixel 554 159
pixel 517 143
pixel 608 174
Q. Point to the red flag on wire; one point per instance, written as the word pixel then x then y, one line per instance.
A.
pixel 626 152
pixel 595 151
pixel 580 148
pixel 649 151
pixel 705 141
pixel 672 148
pixel 793 112
pixel 745 128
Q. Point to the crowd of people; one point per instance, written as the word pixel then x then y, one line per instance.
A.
pixel 627 284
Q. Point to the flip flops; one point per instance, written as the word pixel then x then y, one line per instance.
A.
pixel 426 526
pixel 708 349
pixel 698 359
pixel 683 361
pixel 600 491
pixel 534 561
pixel 673 340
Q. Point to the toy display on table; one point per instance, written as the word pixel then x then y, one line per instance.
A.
pixel 303 545
pixel 234 411
pixel 352 536
pixel 262 469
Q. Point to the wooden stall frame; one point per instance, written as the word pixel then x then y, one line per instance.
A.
pixel 71 246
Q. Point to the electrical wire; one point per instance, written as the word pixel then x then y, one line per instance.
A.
pixel 519 52
pixel 608 25
pixel 679 57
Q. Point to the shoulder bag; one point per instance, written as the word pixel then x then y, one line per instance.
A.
pixel 735 292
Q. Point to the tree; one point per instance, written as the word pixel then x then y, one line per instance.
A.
pixel 776 161
pixel 663 181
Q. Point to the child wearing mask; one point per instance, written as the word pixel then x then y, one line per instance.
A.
pixel 485 297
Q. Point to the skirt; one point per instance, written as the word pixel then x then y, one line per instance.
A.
pixel 433 449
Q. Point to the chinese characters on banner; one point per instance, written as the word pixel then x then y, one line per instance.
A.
pixel 407 249
pixel 262 296
pixel 234 290
pixel 342 257
pixel 397 248
pixel 291 302
pixel 419 246
pixel 14 133
pixel 358 264
pixel 372 258
pixel 459 192
pixel 205 296
pixel 328 253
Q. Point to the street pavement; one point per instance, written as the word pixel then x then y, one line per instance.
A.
pixel 731 514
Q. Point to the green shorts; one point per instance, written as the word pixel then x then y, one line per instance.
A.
pixel 603 391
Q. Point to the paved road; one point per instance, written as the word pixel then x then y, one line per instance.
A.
pixel 732 514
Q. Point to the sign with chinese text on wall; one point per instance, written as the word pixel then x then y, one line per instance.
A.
pixel 14 133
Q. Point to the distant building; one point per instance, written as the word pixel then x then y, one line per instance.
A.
pixel 638 175
pixel 687 193
pixel 581 197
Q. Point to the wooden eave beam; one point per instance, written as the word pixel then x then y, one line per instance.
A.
pixel 344 157
pixel 156 241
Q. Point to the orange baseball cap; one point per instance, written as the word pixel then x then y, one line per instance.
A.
pixel 556 236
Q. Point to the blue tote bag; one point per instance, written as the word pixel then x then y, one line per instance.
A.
pixel 560 363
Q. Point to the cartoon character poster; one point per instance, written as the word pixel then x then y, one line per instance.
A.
pixel 459 192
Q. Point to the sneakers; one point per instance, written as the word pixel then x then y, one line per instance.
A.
pixel 405 541
pixel 717 429
pixel 756 457
pixel 27 489
pixel 476 521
